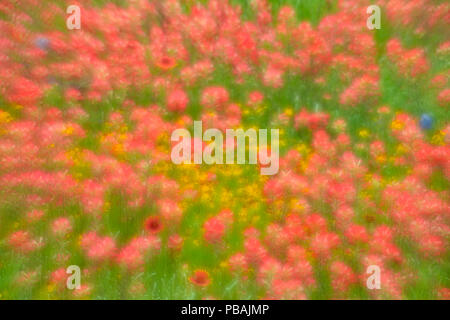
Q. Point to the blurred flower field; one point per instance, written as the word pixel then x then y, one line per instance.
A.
pixel 86 177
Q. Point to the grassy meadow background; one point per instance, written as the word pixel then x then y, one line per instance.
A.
pixel 95 149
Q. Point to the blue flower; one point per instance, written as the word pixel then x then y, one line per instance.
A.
pixel 426 121
pixel 42 43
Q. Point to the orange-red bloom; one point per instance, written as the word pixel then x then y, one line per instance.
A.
pixel 153 225
pixel 200 278
pixel 166 63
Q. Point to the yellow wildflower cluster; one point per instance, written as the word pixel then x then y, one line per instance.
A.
pixel 397 125
pixel 5 118
pixel 438 139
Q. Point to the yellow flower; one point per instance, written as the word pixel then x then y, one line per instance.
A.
pixel 381 159
pixel 303 165
pixel 289 112
pixel 303 149
pixel 401 149
pixel 118 149
pixel 5 117
pixel 438 139
pixel 297 205
pixel 68 131
pixel 364 133
pixel 397 125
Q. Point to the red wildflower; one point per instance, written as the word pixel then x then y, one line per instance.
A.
pixel 175 242
pixel 153 224
pixel 166 63
pixel 177 100
pixel 200 278
pixel 214 230
pixel 214 97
